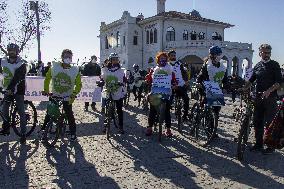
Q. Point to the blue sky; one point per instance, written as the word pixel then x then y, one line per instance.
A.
pixel 75 23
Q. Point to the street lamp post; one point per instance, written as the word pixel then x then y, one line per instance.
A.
pixel 34 7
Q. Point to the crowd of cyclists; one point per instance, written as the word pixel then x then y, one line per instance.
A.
pixel 65 80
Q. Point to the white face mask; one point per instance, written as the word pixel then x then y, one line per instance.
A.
pixel 218 58
pixel 67 60
pixel 94 61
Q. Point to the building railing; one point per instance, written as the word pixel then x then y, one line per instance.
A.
pixel 202 43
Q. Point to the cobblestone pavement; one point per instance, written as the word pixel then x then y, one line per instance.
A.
pixel 135 161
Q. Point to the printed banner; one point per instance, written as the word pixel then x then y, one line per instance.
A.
pixel 214 94
pixel 89 92
pixel 161 84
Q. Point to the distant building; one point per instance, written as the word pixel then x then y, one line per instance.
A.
pixel 138 39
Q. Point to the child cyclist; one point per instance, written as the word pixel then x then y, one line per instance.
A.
pixel 162 68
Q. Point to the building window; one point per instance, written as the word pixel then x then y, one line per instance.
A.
pixel 135 40
pixel 111 41
pixel 155 35
pixel 148 37
pixel 185 35
pixel 193 35
pixel 201 36
pixel 106 43
pixel 123 40
pixel 118 39
pixel 170 36
pixel 215 36
pixel 151 37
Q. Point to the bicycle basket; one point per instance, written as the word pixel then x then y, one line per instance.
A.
pixel 53 110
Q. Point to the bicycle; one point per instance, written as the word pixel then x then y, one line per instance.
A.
pixel 111 113
pixel 246 124
pixel 204 119
pixel 14 118
pixel 159 102
pixel 56 126
pixel 178 111
pixel 129 88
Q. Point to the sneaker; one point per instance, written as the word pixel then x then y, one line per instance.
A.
pixel 73 137
pixel 268 151
pixel 149 131
pixel 23 139
pixel 169 133
pixel 256 148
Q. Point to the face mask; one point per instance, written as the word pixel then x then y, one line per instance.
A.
pixel 67 60
pixel 94 61
pixel 218 58
pixel 163 63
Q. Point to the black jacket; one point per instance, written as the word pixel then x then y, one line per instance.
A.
pixel 92 69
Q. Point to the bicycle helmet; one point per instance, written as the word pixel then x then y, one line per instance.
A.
pixel 113 55
pixel 135 66
pixel 171 52
pixel 13 46
pixel 215 50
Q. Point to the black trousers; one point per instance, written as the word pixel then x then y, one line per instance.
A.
pixel 182 92
pixel 70 118
pixel 87 104
pixel 119 105
pixel 153 115
pixel 139 89
pixel 265 111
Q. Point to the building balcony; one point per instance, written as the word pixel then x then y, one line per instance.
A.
pixel 208 43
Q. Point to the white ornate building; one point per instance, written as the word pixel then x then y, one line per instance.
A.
pixel 138 39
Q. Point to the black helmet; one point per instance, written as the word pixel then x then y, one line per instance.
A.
pixel 13 46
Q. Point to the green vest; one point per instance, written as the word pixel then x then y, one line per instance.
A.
pixel 63 80
pixel 9 71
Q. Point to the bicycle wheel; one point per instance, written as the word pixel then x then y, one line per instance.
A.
pixel 194 119
pixel 51 133
pixel 243 138
pixel 161 120
pixel 178 114
pixel 31 119
pixel 206 129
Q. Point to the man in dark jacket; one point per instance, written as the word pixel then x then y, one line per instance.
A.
pixel 14 71
pixel 267 76
pixel 92 69
pixel 46 69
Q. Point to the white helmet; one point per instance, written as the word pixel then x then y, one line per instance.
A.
pixel 113 55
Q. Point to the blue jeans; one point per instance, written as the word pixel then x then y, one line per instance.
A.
pixel 21 110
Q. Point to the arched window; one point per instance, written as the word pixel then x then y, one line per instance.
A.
pixel 201 35
pixel 193 35
pixel 117 39
pixel 170 36
pixel 106 43
pixel 111 41
pixel 215 36
pixel 147 37
pixel 155 35
pixel 151 37
pixel 185 35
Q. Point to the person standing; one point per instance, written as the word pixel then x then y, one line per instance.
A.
pixel 92 69
pixel 267 76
